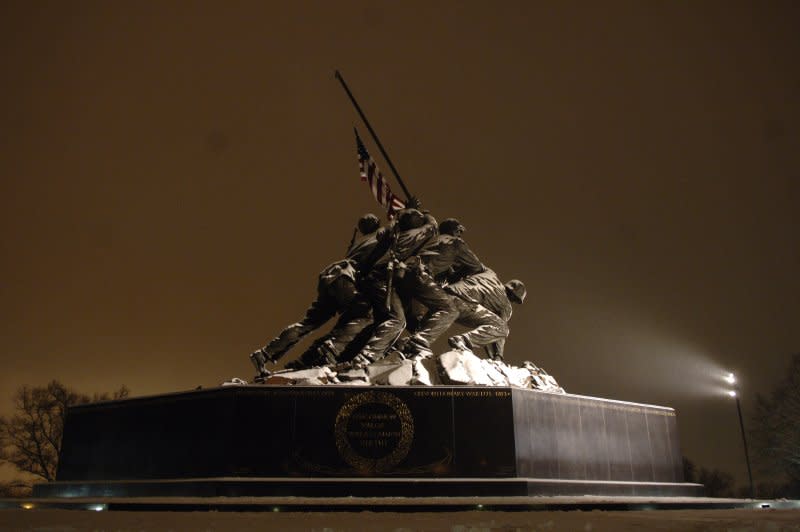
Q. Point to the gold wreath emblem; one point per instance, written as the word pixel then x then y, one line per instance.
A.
pixel 376 429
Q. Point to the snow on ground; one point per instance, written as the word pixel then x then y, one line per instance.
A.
pixel 595 521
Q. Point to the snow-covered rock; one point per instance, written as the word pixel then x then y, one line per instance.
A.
pixel 541 379
pixel 518 377
pixel 353 376
pixel 455 367
pixel 425 372
pixel 463 367
pixel 494 371
pixel 235 381
pixel 391 373
pixel 312 376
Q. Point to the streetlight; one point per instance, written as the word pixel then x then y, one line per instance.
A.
pixel 731 379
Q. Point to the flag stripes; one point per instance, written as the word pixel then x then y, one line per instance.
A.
pixel 372 176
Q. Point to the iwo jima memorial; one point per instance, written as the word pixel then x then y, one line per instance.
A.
pixel 369 410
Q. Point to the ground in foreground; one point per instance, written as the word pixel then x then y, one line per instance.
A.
pixel 594 521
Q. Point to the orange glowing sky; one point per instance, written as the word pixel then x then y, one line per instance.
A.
pixel 174 175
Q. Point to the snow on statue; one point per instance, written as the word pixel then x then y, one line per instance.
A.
pixel 398 289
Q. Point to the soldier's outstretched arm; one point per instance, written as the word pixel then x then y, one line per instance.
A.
pixel 468 262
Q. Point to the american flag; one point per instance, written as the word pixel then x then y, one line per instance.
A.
pixel 371 175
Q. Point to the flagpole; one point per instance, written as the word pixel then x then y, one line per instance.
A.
pixel 374 136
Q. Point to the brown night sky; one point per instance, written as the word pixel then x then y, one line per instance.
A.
pixel 175 174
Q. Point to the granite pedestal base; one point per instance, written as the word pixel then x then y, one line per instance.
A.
pixel 368 441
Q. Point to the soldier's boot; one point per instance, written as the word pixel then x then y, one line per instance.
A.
pixel 296 365
pixel 494 352
pixel 459 342
pixel 417 348
pixel 361 360
pixel 259 360
pixel 320 354
pixel 401 344
pixel 328 353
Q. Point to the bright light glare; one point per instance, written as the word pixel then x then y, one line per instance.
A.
pixel 730 378
pixel 732 393
pixel 28 506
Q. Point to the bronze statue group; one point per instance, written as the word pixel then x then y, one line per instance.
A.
pixel 413 275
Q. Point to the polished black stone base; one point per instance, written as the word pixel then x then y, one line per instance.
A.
pixel 372 487
pixel 534 503
pixel 409 441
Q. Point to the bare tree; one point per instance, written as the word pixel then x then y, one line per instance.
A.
pixel 689 470
pixel 16 488
pixel 31 438
pixel 776 426
pixel 716 483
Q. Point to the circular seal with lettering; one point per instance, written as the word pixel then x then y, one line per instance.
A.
pixel 374 431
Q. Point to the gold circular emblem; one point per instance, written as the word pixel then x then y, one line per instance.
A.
pixel 374 431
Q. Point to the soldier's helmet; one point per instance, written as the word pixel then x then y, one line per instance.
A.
pixel 451 226
pixel 515 290
pixel 368 223
pixel 410 219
